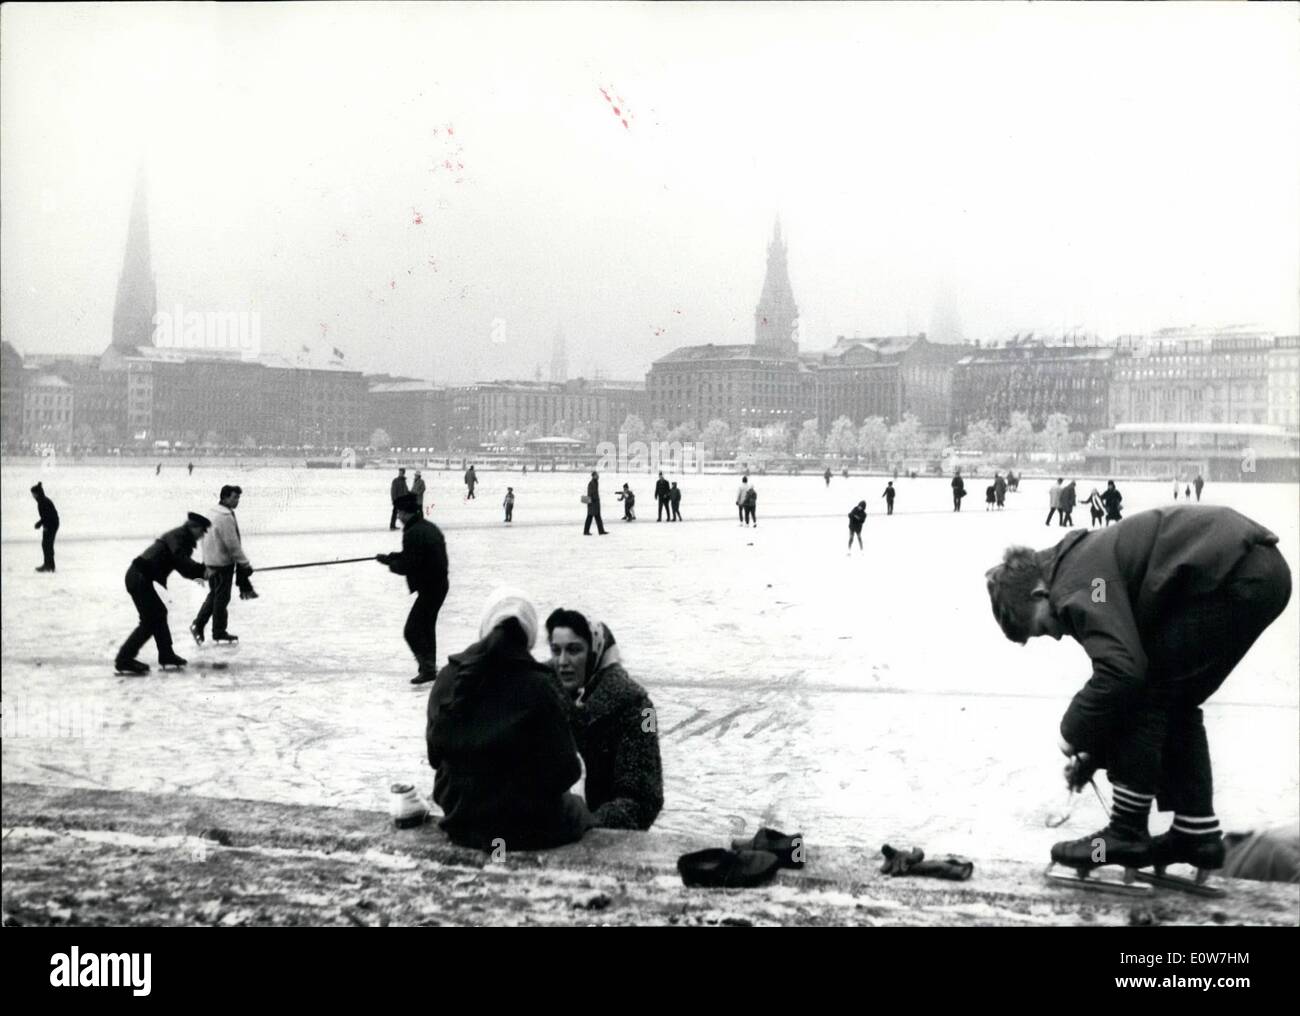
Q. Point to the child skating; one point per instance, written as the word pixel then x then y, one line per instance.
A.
pixel 1165 605
pixel 509 504
pixel 857 517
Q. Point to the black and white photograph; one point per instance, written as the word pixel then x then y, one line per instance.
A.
pixel 643 465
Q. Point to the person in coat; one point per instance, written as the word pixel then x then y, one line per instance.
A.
pixel 1054 500
pixel 471 479
pixel 170 552
pixel 593 506
pixel 1068 499
pixel 741 493
pixel 958 490
pixel 1096 508
pixel 751 506
pixel 889 495
pixel 48 524
pixel 417 490
pixel 662 497
pixel 613 722
pixel 223 557
pixel 990 497
pixel 1112 500
pixel 999 491
pixel 1165 606
pixel 827 476
pixel 675 500
pixel 397 489
pixel 1198 484
pixel 857 519
pixel 629 503
pixel 508 503
pixel 423 560
pixel 498 738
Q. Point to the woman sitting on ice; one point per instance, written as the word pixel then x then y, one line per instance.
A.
pixel 613 722
pixel 498 736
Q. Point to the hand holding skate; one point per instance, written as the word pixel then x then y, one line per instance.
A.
pixel 1079 771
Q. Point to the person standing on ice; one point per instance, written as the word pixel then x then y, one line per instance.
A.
pixel 1069 498
pixel 629 503
pixel 1112 499
pixel 1054 500
pixel 675 500
pixel 509 504
pixel 223 557
pixel 827 476
pixel 1165 606
pixel 888 495
pixel 593 506
pixel 741 493
pixel 170 552
pixel 662 493
pixel 751 506
pixel 397 489
pixel 471 478
pixel 48 524
pixel 958 490
pixel 423 560
pixel 999 491
pixel 190 466
pixel 857 518
pixel 1095 508
pixel 417 491
pixel 1198 484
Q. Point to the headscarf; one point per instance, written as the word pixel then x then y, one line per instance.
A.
pixel 604 653
pixel 504 602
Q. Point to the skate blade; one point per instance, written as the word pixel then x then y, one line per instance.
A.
pixel 1182 884
pixel 1070 877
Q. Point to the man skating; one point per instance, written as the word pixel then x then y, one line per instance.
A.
pixel 629 503
pixel 593 506
pixel 1165 605
pixel 48 524
pixel 857 518
pixel 888 495
pixel 662 492
pixel 170 552
pixel 675 500
pixel 423 560
pixel 471 479
pixel 397 489
pixel 223 560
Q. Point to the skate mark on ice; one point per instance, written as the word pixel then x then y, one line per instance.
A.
pixel 686 722
pixel 725 722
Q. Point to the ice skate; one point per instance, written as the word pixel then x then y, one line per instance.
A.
pixel 1075 862
pixel 197 634
pixel 218 638
pixel 171 661
pixel 131 668
pixel 1204 853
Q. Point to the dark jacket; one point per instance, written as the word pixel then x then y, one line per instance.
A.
pixel 889 493
pixel 999 486
pixel 627 497
pixel 593 491
pixel 49 515
pixel 675 495
pixel 1068 497
pixel 471 477
pixel 498 736
pixel 1111 498
pixel 397 488
pixel 958 486
pixel 661 488
pixel 751 498
pixel 1152 565
pixel 170 552
pixel 617 735
pixel 418 488
pixel 423 557
pixel 857 517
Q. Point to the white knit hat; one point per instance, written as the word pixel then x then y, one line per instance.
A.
pixel 504 602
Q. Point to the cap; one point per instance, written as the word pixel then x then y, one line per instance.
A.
pixel 199 520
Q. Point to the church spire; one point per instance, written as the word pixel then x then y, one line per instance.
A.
pixel 137 296
pixel 776 316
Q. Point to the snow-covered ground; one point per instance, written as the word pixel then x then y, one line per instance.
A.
pixel 861 699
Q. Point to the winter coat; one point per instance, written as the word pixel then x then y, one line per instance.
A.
pixel 593 491
pixel 627 497
pixel 470 477
pixel 740 494
pixel 1152 566
pixel 397 488
pixel 1095 506
pixel 751 498
pixel 498 736
pixel 675 495
pixel 1054 496
pixel 958 487
pixel 661 489
pixel 618 739
pixel 1198 483
pixel 222 546
pixel 1112 499
pixel 170 552
pixel 857 517
pixel 999 486
pixel 1068 497
pixel 423 558
pixel 508 501
pixel 418 488
pixel 49 515
pixel 990 494
pixel 889 493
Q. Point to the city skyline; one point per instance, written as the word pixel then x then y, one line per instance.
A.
pixel 1051 169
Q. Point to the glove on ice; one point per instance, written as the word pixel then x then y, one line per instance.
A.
pixel 913 862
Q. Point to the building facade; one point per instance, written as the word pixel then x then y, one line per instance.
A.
pixel 1284 382
pixel 1036 379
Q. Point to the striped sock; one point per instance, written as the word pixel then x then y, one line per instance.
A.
pixel 1130 809
pixel 1196 825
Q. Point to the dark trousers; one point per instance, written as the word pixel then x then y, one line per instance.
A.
pixel 1161 748
pixel 956 502
pixel 677 515
pixel 153 617
pixel 1066 516
pixel 48 533
pixel 510 511
pixel 221 582
pixel 593 512
pixel 1050 513
pixel 889 507
pixel 392 522
pixel 740 512
pixel 751 515
pixel 664 506
pixel 471 493
pixel 421 629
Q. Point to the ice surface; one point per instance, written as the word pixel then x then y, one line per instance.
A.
pixel 860 699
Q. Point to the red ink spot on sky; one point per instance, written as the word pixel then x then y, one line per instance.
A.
pixel 625 125
pixel 393 284
pixel 616 111
pixel 606 95
pixel 419 219
pixel 449 130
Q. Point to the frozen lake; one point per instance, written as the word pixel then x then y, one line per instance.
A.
pixel 862 700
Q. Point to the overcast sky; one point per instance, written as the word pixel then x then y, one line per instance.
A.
pixel 391 179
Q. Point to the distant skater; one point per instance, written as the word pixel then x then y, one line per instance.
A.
pixel 1112 499
pixel 740 498
pixel 157 470
pixel 751 506
pixel 1068 500
pixel 1198 484
pixel 1175 489
pixel 1187 492
pixel 1054 500
pixel 417 491
pixel 675 500
pixel 190 467
pixel 888 495
pixel 397 489
pixel 1095 508
pixel 662 493
pixel 223 560
pixel 509 504
pixel 999 491
pixel 827 476
pixel 629 503
pixel 592 501
pixel 471 478
pixel 958 490
pixel 990 497
pixel 48 523
pixel 857 517
pixel 423 560
pixel 170 552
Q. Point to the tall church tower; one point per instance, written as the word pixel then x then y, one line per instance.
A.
pixel 137 296
pixel 776 316
pixel 559 359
